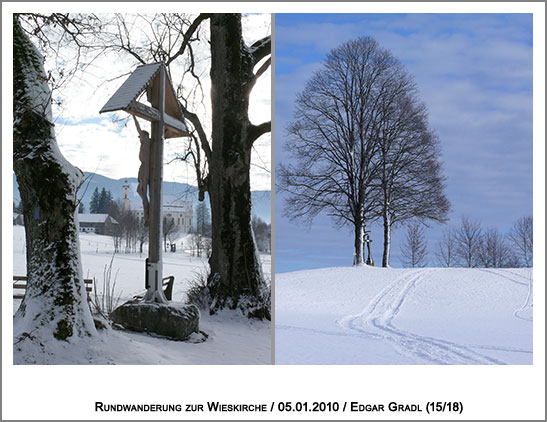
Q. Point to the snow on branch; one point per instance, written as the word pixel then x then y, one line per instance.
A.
pixel 261 48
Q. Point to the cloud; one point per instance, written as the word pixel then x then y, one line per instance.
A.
pixel 101 148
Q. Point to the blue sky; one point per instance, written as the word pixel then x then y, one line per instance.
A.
pixel 474 73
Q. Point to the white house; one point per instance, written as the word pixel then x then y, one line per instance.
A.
pixel 182 212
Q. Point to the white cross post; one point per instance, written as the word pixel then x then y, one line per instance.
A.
pixel 154 265
pixel 167 121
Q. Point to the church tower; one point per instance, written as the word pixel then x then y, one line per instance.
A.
pixel 125 196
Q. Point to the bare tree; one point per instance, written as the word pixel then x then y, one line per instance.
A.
pixel 201 238
pixel 362 146
pixel 513 261
pixel 125 229
pixel 446 249
pixel 333 139
pixel 410 176
pixel 522 236
pixel 131 225
pixel 55 302
pixel 414 249
pixel 116 233
pixel 468 242
pixel 117 230
pixel 263 234
pixel 494 251
pixel 169 228
pixel 62 39
pixel 203 220
pixel 200 244
pixel 142 235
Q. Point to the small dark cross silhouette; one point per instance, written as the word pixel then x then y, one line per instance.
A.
pixel 370 261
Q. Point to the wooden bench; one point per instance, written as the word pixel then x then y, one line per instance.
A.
pixel 167 284
pixel 18 286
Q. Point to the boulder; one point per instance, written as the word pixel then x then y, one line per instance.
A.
pixel 175 320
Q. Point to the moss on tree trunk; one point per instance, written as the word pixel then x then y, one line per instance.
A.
pixel 55 300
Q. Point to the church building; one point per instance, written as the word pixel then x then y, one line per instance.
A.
pixel 182 212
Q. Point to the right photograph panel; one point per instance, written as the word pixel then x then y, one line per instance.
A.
pixel 403 229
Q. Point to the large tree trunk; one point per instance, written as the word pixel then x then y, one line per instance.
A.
pixel 235 267
pixel 358 252
pixel 55 304
pixel 387 238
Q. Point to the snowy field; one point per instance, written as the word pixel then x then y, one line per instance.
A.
pixel 232 338
pixel 389 316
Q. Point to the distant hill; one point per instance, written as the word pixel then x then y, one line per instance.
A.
pixel 260 199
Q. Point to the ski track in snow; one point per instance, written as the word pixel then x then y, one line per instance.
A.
pixel 522 283
pixel 315 331
pixel 528 303
pixel 376 321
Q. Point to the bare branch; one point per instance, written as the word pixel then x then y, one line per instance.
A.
pixel 188 35
pixel 414 249
pixel 263 68
pixel 194 119
pixel 254 131
pixel 261 49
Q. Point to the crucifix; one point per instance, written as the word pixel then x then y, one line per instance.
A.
pixel 144 171
pixel 370 261
pixel 167 121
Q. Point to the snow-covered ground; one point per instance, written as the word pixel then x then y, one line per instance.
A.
pixel 389 316
pixel 232 338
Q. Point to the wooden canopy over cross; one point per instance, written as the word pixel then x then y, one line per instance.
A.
pixel 147 77
pixel 167 122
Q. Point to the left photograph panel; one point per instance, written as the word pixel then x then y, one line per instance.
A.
pixel 141 189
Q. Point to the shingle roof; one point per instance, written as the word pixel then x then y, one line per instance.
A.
pixel 94 218
pixel 144 76
pixel 132 87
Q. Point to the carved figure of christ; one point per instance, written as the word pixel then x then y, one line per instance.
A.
pixel 144 170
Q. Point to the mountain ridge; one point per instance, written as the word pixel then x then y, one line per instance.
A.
pixel 260 199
